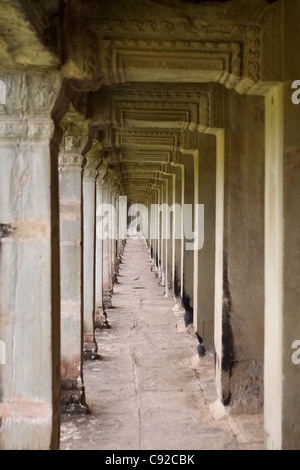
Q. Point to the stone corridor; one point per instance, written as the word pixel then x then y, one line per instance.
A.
pixel 148 389
pixel 178 120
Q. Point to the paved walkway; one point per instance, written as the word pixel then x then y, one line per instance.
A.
pixel 149 390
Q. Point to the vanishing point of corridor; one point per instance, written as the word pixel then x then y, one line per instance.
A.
pixel 148 388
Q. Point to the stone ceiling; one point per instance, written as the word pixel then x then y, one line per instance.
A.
pixel 147 75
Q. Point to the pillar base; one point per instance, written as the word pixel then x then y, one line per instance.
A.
pixel 188 317
pixel 169 290
pixel 107 301
pixel 90 349
pixel 72 397
pixel 178 305
pixel 101 319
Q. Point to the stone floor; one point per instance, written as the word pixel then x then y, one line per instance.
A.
pixel 149 390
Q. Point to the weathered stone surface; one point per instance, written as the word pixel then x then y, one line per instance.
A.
pixel 136 87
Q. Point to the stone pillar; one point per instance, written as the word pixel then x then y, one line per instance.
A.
pixel 239 303
pixel 177 268
pixel 29 263
pixel 169 242
pixel 204 256
pixel 154 226
pixel 161 182
pixel 110 238
pixel 89 218
pixel 188 254
pixel 100 314
pixel 122 224
pixel 160 232
pixel 114 238
pixel 149 240
pixel 282 241
pixel 105 248
pixel 70 198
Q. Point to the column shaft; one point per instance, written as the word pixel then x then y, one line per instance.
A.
pixel 239 307
pixel 29 267
pixel 89 217
pixel 70 198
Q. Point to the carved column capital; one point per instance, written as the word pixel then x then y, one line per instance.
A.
pixel 71 161
pixel 100 181
pixel 90 173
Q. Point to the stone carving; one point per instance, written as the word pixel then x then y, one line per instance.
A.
pixel 170 27
pixel 42 91
pixel 41 130
pixel 254 53
pixel 10 130
pixel 90 173
pixel 75 143
pixel 70 159
pixel 123 57
pixel 30 130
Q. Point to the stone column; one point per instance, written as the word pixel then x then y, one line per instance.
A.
pixel 114 239
pixel 122 224
pixel 204 256
pixel 154 226
pixel 29 263
pixel 105 248
pixel 70 198
pixel 159 229
pixel 89 218
pixel 187 253
pixel 100 314
pixel 110 237
pixel 282 241
pixel 177 268
pixel 169 240
pixel 239 301
pixel 161 222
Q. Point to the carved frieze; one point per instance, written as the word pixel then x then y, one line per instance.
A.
pixel 26 131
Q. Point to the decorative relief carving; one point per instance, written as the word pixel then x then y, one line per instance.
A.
pixel 170 27
pixel 42 91
pixel 125 58
pixel 225 54
pixel 254 53
pixel 40 130
pixel 11 130
pixel 28 130
pixel 70 160
pixel 75 144
pixel 26 94
pixel 153 92
pixel 89 173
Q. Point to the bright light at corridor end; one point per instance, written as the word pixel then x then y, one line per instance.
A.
pixel 158 221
